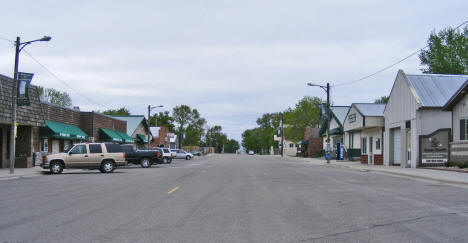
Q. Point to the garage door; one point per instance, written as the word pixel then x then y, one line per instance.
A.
pixel 396 146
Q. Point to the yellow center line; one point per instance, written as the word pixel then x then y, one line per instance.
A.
pixel 173 190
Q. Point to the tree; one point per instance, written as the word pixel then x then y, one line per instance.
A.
pixel 163 119
pixel 447 52
pixel 306 113
pixel 54 96
pixel 251 139
pixel 382 100
pixel 231 146
pixel 183 116
pixel 216 138
pixel 118 112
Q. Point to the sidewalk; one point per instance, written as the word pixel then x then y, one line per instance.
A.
pixel 419 173
pixel 20 172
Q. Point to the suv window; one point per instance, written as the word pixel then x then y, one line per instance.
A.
pixel 113 148
pixel 79 149
pixel 127 148
pixel 95 149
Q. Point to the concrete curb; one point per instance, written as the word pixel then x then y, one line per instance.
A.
pixel 399 174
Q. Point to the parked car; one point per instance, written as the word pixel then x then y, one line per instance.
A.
pixel 174 152
pixel 166 157
pixel 103 156
pixel 251 152
pixel 181 154
pixel 145 158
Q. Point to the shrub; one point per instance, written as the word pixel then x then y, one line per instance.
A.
pixel 450 164
pixel 463 165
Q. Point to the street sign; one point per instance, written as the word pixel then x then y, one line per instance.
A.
pixel 22 88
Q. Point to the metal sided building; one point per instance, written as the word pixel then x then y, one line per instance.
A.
pixel 137 128
pixel 363 132
pixel 417 130
pixel 458 105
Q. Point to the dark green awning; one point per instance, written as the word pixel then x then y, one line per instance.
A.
pixel 125 137
pixel 336 131
pixel 142 138
pixel 62 130
pixel 110 135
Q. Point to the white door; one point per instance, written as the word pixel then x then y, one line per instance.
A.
pixel 55 146
pixel 396 146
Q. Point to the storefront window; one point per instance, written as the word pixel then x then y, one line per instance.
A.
pixel 464 129
pixel 377 143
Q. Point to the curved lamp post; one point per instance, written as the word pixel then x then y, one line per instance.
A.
pixel 19 47
pixel 150 108
pixel 327 90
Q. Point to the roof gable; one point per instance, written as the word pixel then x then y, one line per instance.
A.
pixel 132 122
pixel 370 109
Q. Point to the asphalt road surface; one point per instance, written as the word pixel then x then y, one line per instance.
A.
pixel 231 198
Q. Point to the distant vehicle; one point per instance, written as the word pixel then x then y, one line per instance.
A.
pixel 251 152
pixel 181 154
pixel 174 152
pixel 103 156
pixel 145 158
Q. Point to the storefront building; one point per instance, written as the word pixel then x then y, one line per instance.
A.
pixel 417 129
pixel 137 128
pixel 457 104
pixel 104 128
pixel 363 129
pixel 338 115
pixel 29 119
pixel 160 136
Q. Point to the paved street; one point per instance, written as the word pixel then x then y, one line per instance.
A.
pixel 231 198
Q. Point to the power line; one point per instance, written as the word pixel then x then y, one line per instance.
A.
pixel 3 38
pixel 63 82
pixel 392 65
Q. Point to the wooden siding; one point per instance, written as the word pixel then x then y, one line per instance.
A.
pixel 61 114
pixel 348 126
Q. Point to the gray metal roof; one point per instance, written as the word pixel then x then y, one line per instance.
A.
pixel 434 90
pixel 132 122
pixel 155 131
pixel 370 109
pixel 340 112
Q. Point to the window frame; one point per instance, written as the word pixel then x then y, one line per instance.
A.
pixel 98 145
pixel 364 145
pixel 79 145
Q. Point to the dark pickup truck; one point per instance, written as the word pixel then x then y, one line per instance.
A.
pixel 143 157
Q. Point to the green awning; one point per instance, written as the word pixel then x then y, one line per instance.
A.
pixel 305 142
pixel 110 135
pixel 142 138
pixel 62 130
pixel 125 137
pixel 336 131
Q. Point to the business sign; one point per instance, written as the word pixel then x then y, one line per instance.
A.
pixel 22 88
pixel 434 148
pixel 352 118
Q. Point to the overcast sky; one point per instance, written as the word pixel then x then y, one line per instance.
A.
pixel 232 60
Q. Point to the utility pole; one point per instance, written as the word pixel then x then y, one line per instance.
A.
pixel 149 125
pixel 13 114
pixel 328 123
pixel 282 135
pixel 327 90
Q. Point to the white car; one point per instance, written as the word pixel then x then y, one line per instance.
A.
pixel 181 154
pixel 167 155
pixel 251 152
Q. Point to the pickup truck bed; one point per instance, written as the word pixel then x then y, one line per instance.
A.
pixel 145 158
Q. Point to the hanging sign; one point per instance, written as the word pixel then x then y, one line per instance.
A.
pixel 22 88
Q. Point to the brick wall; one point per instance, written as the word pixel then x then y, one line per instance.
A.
pixel 91 122
pixel 364 159
pixel 378 159
pixel 315 146
pixel 61 114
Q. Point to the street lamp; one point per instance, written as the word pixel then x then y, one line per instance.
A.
pixel 19 47
pixel 150 108
pixel 327 90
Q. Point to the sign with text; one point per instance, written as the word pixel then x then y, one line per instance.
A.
pixel 434 148
pixel 352 118
pixel 22 88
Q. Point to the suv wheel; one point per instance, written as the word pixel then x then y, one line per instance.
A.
pixel 107 167
pixel 188 157
pixel 145 163
pixel 165 160
pixel 56 168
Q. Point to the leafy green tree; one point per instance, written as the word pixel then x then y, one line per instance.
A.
pixel 54 96
pixel 117 112
pixel 184 116
pixel 447 52
pixel 382 100
pixel 216 138
pixel 163 119
pixel 251 139
pixel 231 146
pixel 306 113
